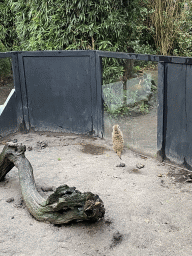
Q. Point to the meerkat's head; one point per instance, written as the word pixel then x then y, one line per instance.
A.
pixel 116 128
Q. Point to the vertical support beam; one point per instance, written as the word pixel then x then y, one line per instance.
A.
pixel 161 111
pixel 23 92
pixel 100 124
pixel 17 84
pixel 93 85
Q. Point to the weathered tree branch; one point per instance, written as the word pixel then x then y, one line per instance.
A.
pixel 64 205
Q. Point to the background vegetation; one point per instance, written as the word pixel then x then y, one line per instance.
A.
pixel 142 26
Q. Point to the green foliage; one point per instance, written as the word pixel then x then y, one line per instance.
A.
pixel 112 70
pixel 5 64
pixel 144 107
pixel 72 24
pixel 8 34
pixel 7 37
pixel 183 40
pixel 125 26
pixel 121 111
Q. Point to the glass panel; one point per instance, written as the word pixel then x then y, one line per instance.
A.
pixel 6 81
pixel 130 100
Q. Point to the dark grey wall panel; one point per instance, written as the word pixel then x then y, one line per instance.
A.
pixel 8 118
pixel 59 93
pixel 175 148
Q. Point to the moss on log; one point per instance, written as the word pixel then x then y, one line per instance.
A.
pixel 66 204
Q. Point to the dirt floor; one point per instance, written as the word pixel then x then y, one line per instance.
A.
pixel 148 204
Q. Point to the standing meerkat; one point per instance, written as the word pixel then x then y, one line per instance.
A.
pixel 117 137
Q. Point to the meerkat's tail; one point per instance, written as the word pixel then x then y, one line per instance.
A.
pixel 119 154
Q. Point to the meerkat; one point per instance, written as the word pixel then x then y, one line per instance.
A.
pixel 117 137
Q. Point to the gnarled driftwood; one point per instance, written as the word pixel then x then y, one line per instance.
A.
pixel 64 205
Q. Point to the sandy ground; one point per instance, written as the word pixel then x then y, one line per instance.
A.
pixel 147 211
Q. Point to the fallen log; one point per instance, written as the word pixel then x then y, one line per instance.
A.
pixel 66 204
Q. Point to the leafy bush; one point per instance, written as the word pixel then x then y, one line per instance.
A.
pixel 5 64
pixel 141 26
pixel 183 40
pixel 8 35
pixel 54 25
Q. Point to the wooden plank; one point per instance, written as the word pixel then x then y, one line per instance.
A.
pixel 60 53
pixel 6 54
pixel 161 111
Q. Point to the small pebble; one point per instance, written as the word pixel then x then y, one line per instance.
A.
pixel 135 170
pixel 9 200
pixel 143 157
pixel 189 180
pixel 120 165
pixel 139 166
pixel 46 189
pixel 42 144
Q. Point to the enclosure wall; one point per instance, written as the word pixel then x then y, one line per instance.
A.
pixel 61 91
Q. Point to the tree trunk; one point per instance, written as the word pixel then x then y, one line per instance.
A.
pixel 64 205
pixel 128 67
